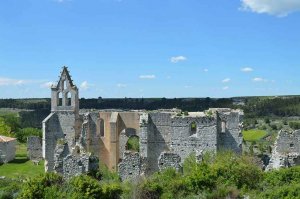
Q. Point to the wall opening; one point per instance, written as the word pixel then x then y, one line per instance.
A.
pixel 133 144
pixel 69 99
pixel 59 102
pixel 101 127
pixel 223 126
pixel 193 128
pixel 64 84
pixel 128 140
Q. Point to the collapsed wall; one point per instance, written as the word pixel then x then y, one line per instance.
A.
pixel 168 138
pixel 286 151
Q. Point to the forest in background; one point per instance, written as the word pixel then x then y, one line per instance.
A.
pixel 254 107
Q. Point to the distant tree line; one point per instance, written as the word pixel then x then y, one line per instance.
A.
pixel 253 106
pixel 272 106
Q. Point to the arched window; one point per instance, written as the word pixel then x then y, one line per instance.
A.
pixel 59 102
pixel 193 128
pixel 69 99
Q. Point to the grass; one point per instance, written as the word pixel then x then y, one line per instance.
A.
pixel 21 167
pixel 254 135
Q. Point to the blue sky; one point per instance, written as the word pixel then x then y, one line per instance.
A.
pixel 151 48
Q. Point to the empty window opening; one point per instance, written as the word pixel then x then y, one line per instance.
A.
pixel 64 84
pixel 292 145
pixel 193 128
pixel 69 99
pixel 101 127
pixel 223 127
pixel 59 103
pixel 133 144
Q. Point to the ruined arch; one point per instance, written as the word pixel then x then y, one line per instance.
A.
pixel 123 139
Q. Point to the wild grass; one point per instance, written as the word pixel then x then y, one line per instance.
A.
pixel 254 135
pixel 21 167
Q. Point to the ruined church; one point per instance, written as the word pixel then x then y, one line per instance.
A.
pixel 75 141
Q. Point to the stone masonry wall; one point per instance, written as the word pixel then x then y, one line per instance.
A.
pixel 60 125
pixel 169 160
pixel 7 151
pixel 184 141
pixel 286 151
pixel 34 148
pixel 130 167
pixel 230 129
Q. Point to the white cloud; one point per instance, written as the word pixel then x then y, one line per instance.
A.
pixel 226 80
pixel 279 8
pixel 121 85
pixel 9 82
pixel 178 59
pixel 259 79
pixel 147 77
pixel 187 86
pixel 61 1
pixel 85 85
pixel 47 85
pixel 225 88
pixel 247 69
pixel 205 70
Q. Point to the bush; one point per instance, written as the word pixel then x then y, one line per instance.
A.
pixel 23 134
pixel 294 125
pixel 36 187
pixel 85 187
pixel 9 188
pixel 267 120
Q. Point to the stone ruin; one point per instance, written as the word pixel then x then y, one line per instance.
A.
pixel 72 138
pixel 62 147
pixel 286 150
pixel 34 148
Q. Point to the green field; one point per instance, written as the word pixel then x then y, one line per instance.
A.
pixel 21 167
pixel 254 135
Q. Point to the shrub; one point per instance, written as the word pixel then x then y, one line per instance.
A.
pixel 36 187
pixel 294 125
pixel 22 134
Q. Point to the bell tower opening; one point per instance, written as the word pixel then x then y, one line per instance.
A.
pixel 65 94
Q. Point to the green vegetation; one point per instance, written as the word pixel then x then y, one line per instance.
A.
pixel 10 125
pixel 294 125
pixel 225 175
pixel 254 135
pixel 133 143
pixel 21 167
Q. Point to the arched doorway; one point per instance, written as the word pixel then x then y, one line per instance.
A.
pixel 125 135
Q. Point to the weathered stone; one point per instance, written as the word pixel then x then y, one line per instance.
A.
pixel 7 149
pixel 169 160
pixel 286 151
pixel 34 148
pixel 130 167
pixel 166 137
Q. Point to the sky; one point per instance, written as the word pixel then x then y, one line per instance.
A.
pixel 151 48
